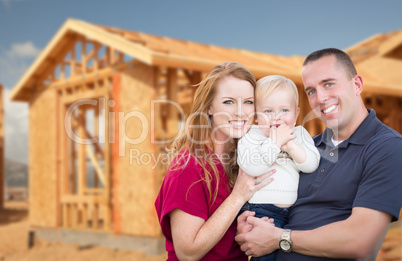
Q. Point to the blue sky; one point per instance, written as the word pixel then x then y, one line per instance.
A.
pixel 279 27
pixel 285 27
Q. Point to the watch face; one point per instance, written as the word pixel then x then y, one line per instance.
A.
pixel 285 245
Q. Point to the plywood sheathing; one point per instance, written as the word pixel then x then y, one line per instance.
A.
pixel 43 159
pixel 136 190
pixel 2 178
pixel 83 206
pixel 116 209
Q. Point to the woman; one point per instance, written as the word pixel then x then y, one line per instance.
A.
pixel 204 190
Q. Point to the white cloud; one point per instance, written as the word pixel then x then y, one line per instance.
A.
pixel 23 50
pixel 7 3
pixel 15 61
pixel 15 129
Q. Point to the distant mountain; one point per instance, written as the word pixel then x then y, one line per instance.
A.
pixel 15 174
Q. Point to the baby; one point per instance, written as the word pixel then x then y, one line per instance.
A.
pixel 276 143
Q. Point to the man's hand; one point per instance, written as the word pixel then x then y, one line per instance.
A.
pixel 263 238
pixel 242 225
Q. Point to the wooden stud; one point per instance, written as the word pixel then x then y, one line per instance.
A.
pixel 81 152
pixel 114 151
pixel 64 222
pixel 95 163
pixel 97 46
pixel 95 216
pixel 172 90
pixel 107 152
pixel 96 134
pixel 84 56
pixel 85 215
pixel 72 61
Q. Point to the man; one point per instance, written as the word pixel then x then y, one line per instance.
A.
pixel 345 206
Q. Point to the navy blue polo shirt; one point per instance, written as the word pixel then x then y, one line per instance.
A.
pixel 363 171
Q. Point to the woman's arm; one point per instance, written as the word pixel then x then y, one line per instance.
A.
pixel 193 237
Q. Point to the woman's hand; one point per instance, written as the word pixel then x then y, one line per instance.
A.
pixel 246 185
pixel 194 236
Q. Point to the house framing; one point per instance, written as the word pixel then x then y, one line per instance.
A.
pixel 94 92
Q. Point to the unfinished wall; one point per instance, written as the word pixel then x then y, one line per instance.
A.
pixel 42 159
pixel 2 176
pixel 134 179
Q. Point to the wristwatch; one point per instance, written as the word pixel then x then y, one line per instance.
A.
pixel 285 244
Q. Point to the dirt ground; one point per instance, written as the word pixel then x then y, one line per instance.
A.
pixel 14 243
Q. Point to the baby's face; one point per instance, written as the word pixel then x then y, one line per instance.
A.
pixel 277 109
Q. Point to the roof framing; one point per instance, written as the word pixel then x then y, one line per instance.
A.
pixel 175 53
pixel 151 50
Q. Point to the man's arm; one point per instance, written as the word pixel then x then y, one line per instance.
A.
pixel 354 237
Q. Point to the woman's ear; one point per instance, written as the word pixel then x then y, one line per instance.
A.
pixel 209 112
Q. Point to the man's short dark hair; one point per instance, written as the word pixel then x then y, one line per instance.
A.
pixel 342 58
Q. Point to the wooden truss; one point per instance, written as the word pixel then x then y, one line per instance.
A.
pixel 85 73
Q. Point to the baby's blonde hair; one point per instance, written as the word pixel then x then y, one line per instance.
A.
pixel 270 84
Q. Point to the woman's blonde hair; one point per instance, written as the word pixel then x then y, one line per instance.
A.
pixel 270 84
pixel 195 139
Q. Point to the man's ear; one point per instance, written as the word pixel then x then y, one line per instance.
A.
pixel 358 84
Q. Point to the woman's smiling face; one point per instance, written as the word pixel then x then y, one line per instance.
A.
pixel 232 109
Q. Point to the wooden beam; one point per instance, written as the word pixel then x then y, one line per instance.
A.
pixel 89 77
pixel 107 156
pixel 172 114
pixel 87 94
pixel 113 40
pixel 84 56
pixel 95 216
pixel 98 169
pixel 63 37
pixel 82 170
pixel 75 199
pixel 205 65
pixel 94 191
pixel 72 62
pixel 114 152
pixel 98 149
pixel 96 56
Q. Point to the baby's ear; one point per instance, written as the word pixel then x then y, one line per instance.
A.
pixel 297 112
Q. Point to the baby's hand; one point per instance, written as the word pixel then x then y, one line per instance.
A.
pixel 288 146
pixel 281 135
pixel 267 219
pixel 265 129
